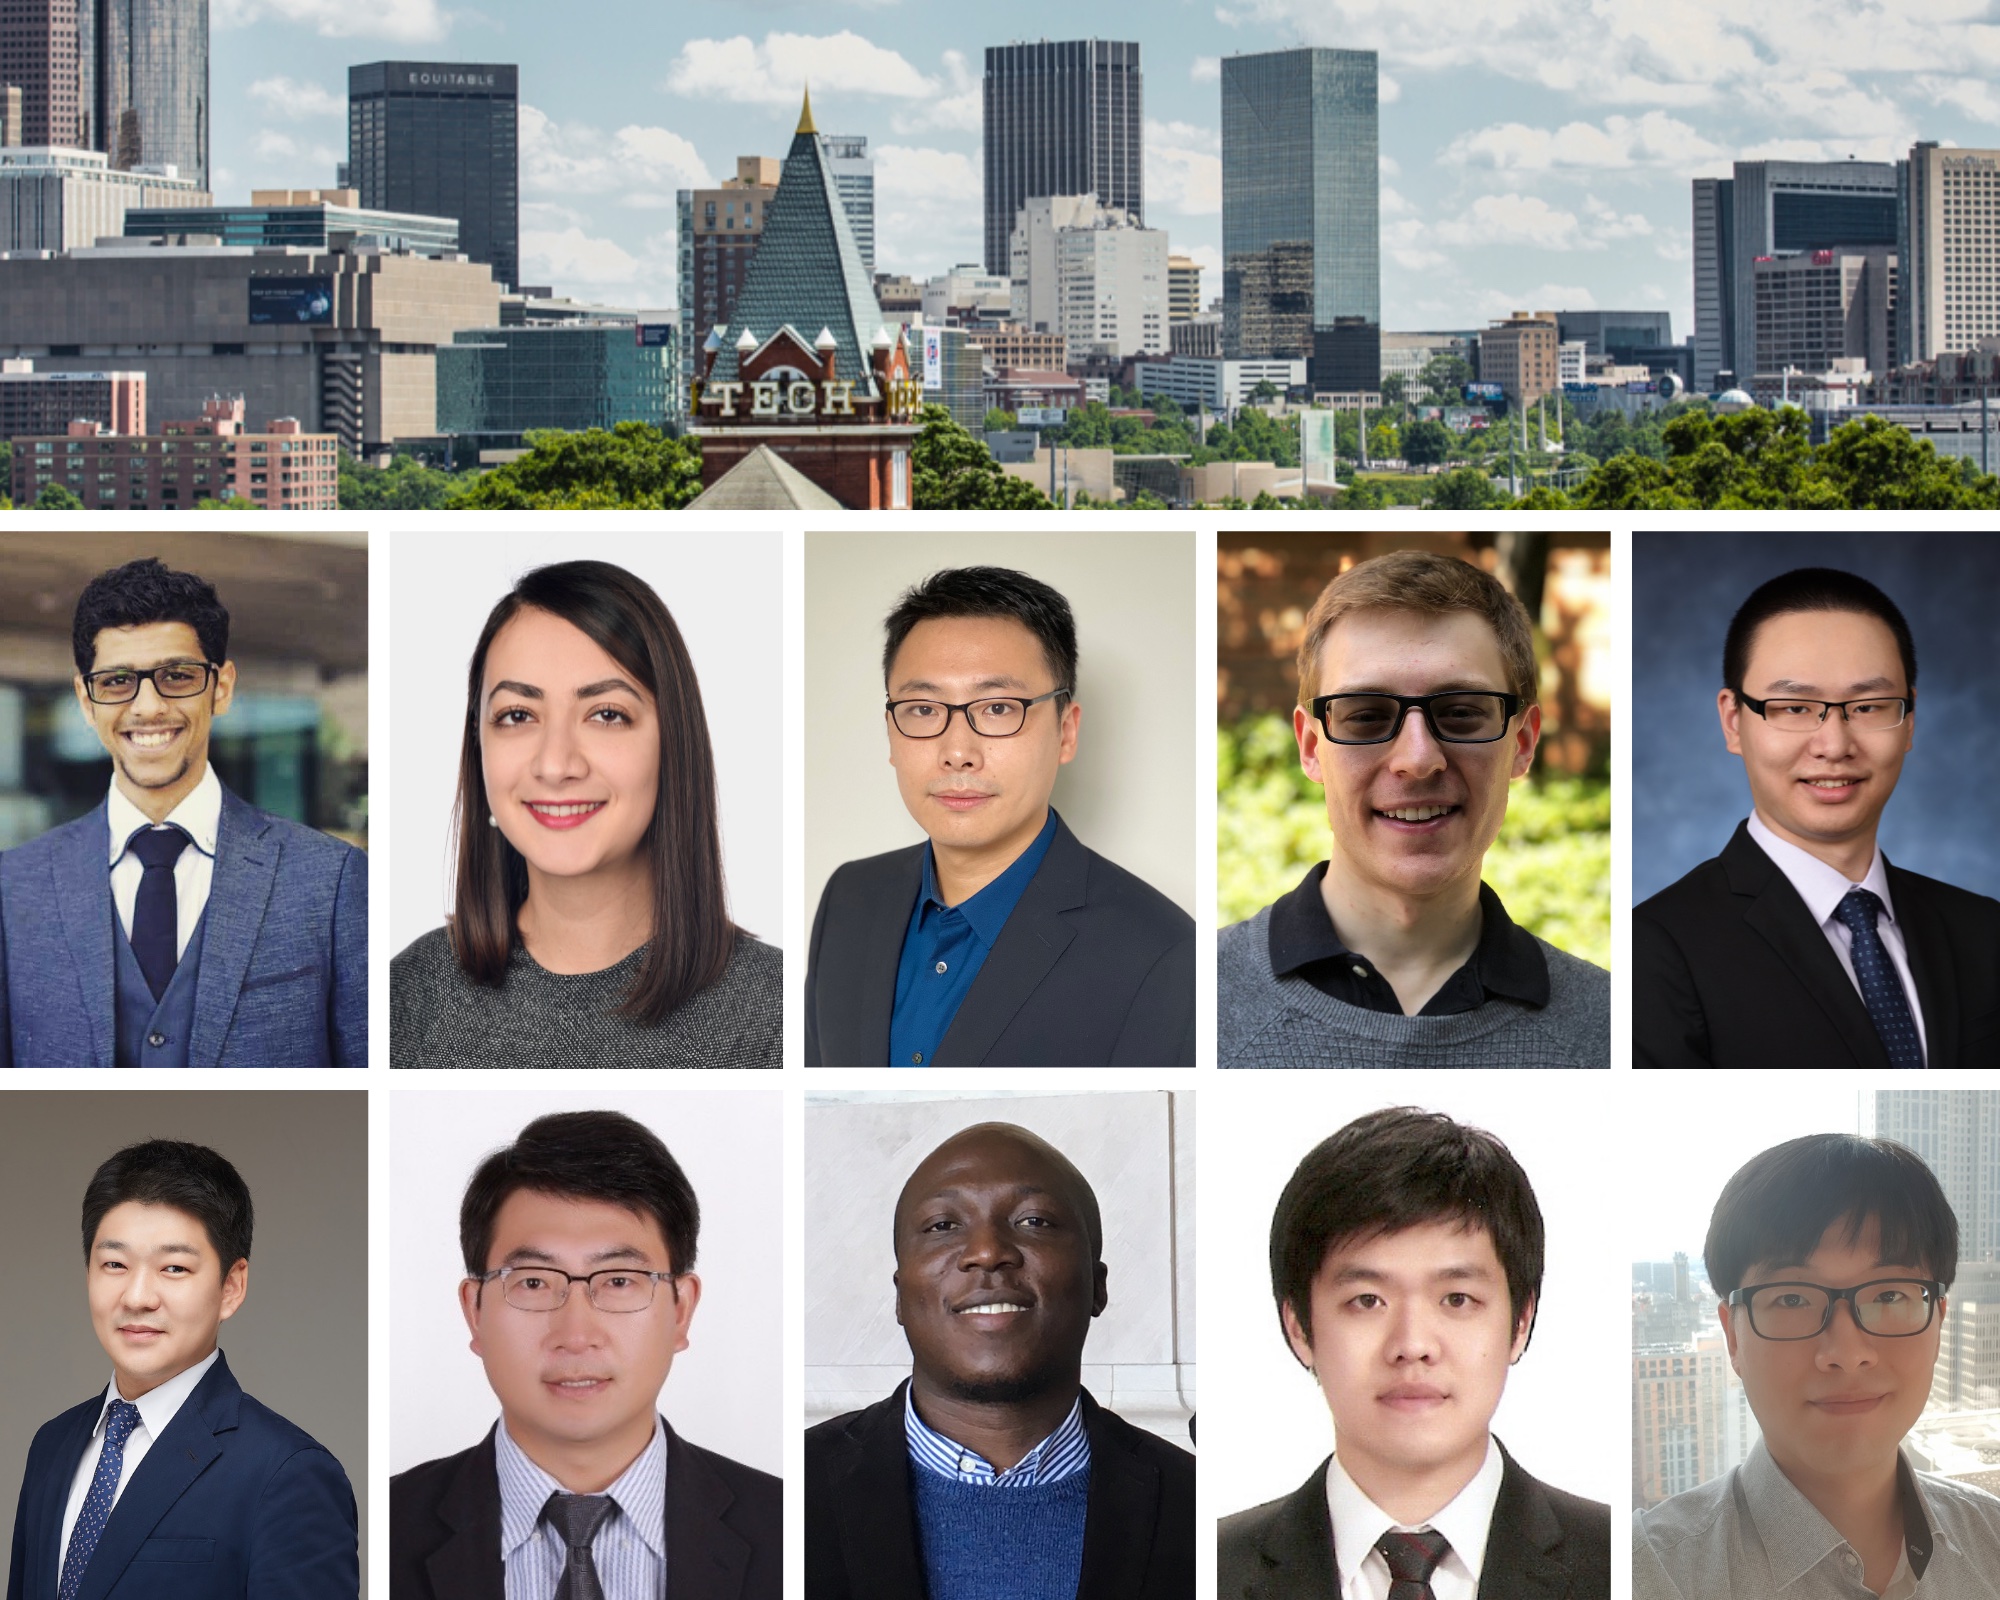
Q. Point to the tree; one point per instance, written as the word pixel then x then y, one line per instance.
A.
pixel 952 471
pixel 1444 377
pixel 998 421
pixel 633 466
pixel 1426 443
pixel 1465 489
pixel 1395 391
pixel 54 497
pixel 406 484
pixel 1383 442
pixel 1265 390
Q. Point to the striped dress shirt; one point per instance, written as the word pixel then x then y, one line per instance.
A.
pixel 630 1550
pixel 1062 1454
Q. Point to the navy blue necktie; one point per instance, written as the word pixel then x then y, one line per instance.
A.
pixel 124 1417
pixel 577 1517
pixel 1412 1558
pixel 154 939
pixel 1881 988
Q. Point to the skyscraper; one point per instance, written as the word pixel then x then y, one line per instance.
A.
pixel 854 180
pixel 1948 248
pixel 441 138
pixel 1301 213
pixel 152 84
pixel 1061 118
pixel 39 55
pixel 1957 1132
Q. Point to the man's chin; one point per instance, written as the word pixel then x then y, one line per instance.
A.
pixel 157 778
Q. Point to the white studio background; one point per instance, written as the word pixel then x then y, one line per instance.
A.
pixel 726 597
pixel 1565 1414
pixel 726 1390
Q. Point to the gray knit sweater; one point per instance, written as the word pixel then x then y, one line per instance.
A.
pixel 1267 1021
pixel 438 1017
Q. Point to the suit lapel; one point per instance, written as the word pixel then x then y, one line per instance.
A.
pixel 1523 1559
pixel 246 869
pixel 1297 1549
pixel 467 1565
pixel 706 1558
pixel 1119 1520
pixel 856 990
pixel 47 1529
pixel 879 1546
pixel 1927 942
pixel 89 924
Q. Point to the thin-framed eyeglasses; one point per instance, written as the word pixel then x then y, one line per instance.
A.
pixel 177 680
pixel 998 716
pixel 617 1289
pixel 1876 714
pixel 1457 716
pixel 1889 1308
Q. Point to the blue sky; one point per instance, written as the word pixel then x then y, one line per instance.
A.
pixel 1535 153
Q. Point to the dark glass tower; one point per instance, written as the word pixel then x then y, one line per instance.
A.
pixel 442 139
pixel 1301 214
pixel 1061 118
pixel 151 82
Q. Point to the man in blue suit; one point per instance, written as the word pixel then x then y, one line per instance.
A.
pixel 174 1484
pixel 176 926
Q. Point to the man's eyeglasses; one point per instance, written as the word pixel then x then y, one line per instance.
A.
pixel 1460 716
pixel 1802 716
pixel 997 717
pixel 1889 1308
pixel 547 1288
pixel 178 680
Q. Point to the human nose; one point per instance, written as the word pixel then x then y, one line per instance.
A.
pixel 1834 736
pixel 142 1290
pixel 559 753
pixel 1412 1335
pixel 148 697
pixel 576 1321
pixel 1415 749
pixel 960 746
pixel 987 1243
pixel 1843 1342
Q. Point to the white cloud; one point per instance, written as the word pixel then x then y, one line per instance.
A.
pixel 959 105
pixel 287 97
pixel 777 71
pixel 1496 303
pixel 1500 220
pixel 1654 139
pixel 412 21
pixel 1388 90
pixel 1206 69
pixel 644 165
pixel 1410 243
pixel 927 209
pixel 1976 97
pixel 1183 168
pixel 1604 222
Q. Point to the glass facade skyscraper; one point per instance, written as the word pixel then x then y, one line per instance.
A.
pixel 152 83
pixel 1301 213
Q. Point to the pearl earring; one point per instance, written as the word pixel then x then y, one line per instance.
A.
pixel 491 820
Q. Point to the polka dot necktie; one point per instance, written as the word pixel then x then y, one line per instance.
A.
pixel 96 1511
pixel 577 1517
pixel 1881 989
pixel 154 939
pixel 1412 1558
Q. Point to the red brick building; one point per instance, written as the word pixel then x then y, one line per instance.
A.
pixel 207 458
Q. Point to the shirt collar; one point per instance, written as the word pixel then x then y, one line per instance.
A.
pixel 1358 1522
pixel 1062 1453
pixel 159 1405
pixel 1821 887
pixel 1796 1537
pixel 988 910
pixel 641 1492
pixel 199 815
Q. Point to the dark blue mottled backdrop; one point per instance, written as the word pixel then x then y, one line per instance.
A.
pixel 1688 792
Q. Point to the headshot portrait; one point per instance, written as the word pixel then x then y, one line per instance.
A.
pixel 1000 1346
pixel 587 868
pixel 186 1411
pixel 586 1251
pixel 1825 1326
pixel 199 898
pixel 1007 895
pixel 1413 804
pixel 1811 888
pixel 1408 1283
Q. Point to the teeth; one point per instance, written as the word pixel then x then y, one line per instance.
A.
pixel 578 1383
pixel 576 810
pixel 992 1310
pixel 151 739
pixel 1831 783
pixel 1417 813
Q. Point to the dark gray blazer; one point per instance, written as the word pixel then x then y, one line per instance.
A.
pixel 1094 969
pixel 1542 1544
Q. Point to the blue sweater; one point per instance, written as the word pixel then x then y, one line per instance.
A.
pixel 982 1542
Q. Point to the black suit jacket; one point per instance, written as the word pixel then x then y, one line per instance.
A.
pixel 1731 970
pixel 1541 1545
pixel 725 1528
pixel 1095 968
pixel 861 1525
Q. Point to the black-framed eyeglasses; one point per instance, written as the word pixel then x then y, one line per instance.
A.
pixel 1877 713
pixel 1889 1308
pixel 995 717
pixel 1458 716
pixel 177 680
pixel 618 1289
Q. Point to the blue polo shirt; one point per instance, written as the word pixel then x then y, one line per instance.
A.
pixel 945 946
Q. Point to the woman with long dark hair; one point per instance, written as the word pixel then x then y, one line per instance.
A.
pixel 590 926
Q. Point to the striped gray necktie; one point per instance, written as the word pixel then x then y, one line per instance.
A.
pixel 577 1517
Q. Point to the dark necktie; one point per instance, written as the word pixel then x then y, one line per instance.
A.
pixel 154 939
pixel 96 1510
pixel 577 1517
pixel 1412 1558
pixel 1881 990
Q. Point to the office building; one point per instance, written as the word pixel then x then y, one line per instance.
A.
pixel 1301 213
pixel 1008 344
pixel 1091 274
pixel 150 82
pixel 1957 1132
pixel 717 233
pixel 1207 383
pixel 494 384
pixel 954 375
pixel 1519 354
pixel 1061 118
pixel 34 402
pixel 1616 334
pixel 1967 1375
pixel 1183 289
pixel 40 56
pixel 854 182
pixel 1690 1418
pixel 1949 247
pixel 310 219
pixel 1825 307
pixel 68 199
pixel 10 114
pixel 209 457
pixel 441 139
pixel 966 294
pixel 1198 336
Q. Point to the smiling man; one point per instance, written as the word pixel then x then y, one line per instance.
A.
pixel 1406 1261
pixel 1003 942
pixel 175 925
pixel 1416 711
pixel 579 1244
pixel 174 1484
pixel 992 1474
pixel 1833 1255
pixel 1800 944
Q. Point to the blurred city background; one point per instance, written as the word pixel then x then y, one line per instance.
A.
pixel 295 740
pixel 1552 862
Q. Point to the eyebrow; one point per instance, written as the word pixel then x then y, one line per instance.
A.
pixel 162 1250
pixel 1800 1266
pixel 1458 1272
pixel 1793 686
pixel 529 1255
pixel 1449 686
pixel 164 661
pixel 530 692
pixel 992 681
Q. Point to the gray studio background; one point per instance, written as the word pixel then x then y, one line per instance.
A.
pixel 1137 1150
pixel 300 1341
pixel 1127 795
pixel 1688 791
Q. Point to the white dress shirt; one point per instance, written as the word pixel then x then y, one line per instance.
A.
pixel 199 815
pixel 157 1408
pixel 1823 888
pixel 1358 1522
pixel 629 1549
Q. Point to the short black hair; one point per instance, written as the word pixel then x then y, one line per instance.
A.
pixel 1400 1168
pixel 584 1155
pixel 148 591
pixel 1812 589
pixel 172 1172
pixel 1780 1204
pixel 989 592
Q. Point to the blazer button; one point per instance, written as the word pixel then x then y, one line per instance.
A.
pixel 156 1039
pixel 916 1058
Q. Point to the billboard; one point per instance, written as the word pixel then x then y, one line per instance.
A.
pixel 290 300
pixel 933 358
pixel 654 335
pixel 1042 416
pixel 1319 460
pixel 1491 393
